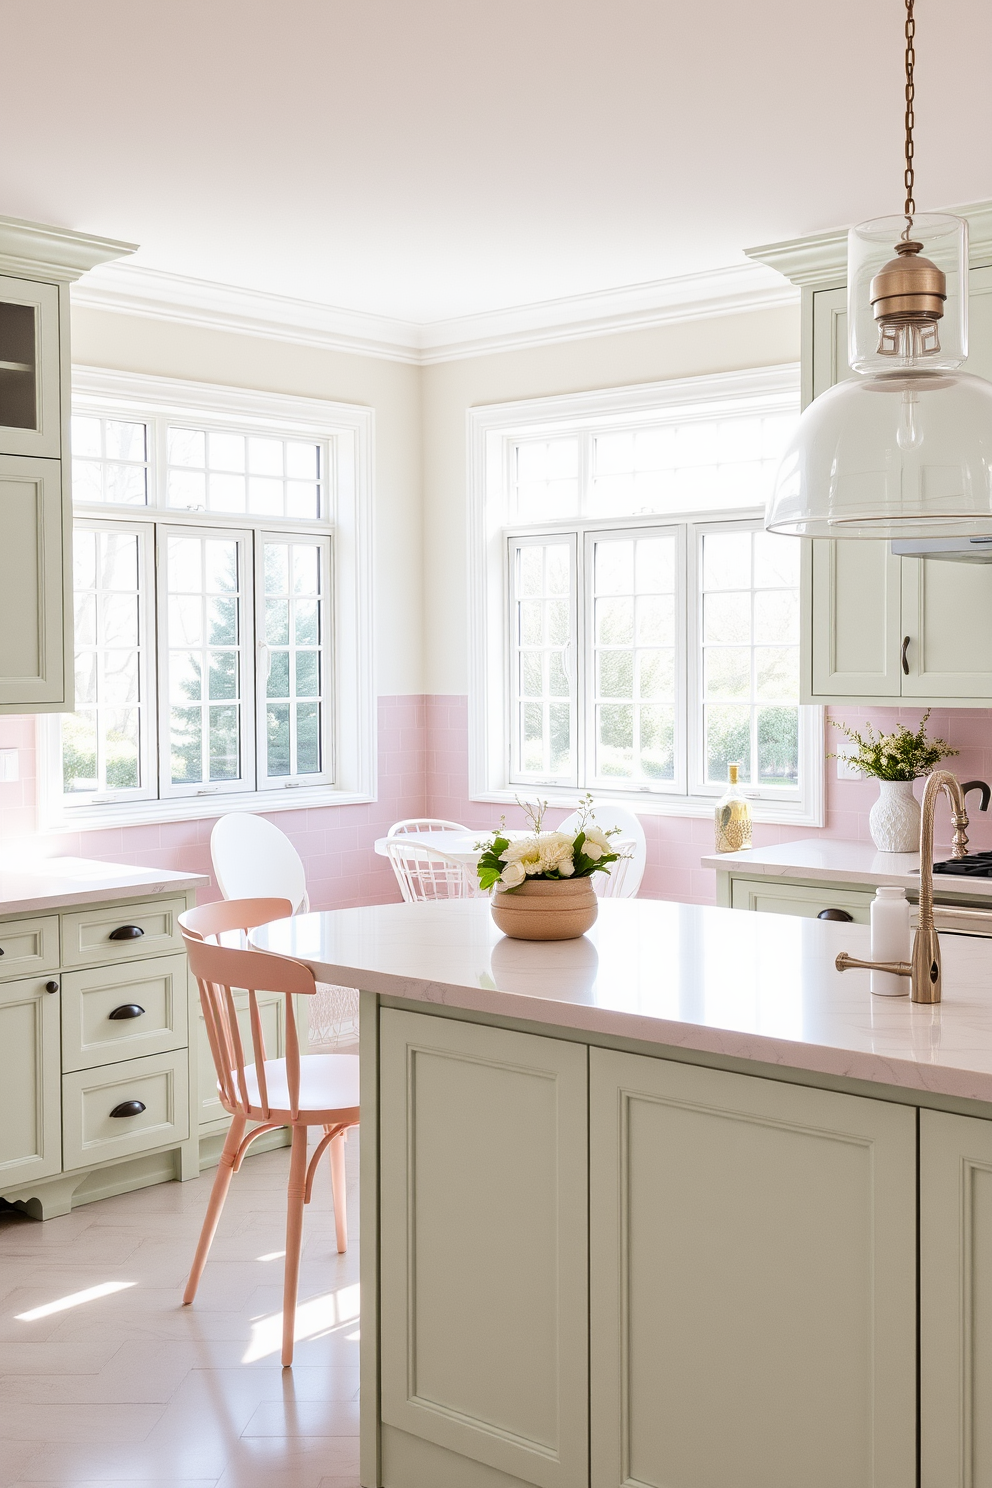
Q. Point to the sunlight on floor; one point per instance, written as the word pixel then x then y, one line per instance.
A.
pixel 75 1299
pixel 314 1319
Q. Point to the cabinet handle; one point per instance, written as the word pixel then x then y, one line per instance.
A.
pixel 126 1010
pixel 905 648
pixel 51 986
pixel 2 952
pixel 126 932
pixel 128 1108
pixel 836 914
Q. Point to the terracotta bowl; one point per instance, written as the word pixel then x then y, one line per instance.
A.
pixel 546 909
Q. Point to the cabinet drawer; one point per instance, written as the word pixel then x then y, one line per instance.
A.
pixel 92 1036
pixel 90 1134
pixel 29 947
pixel 89 935
pixel 769 897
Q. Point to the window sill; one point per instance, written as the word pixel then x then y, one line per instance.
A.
pixel 197 808
pixel 653 803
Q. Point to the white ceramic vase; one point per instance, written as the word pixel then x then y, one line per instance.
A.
pixel 894 820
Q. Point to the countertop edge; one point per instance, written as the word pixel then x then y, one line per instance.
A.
pixel 102 894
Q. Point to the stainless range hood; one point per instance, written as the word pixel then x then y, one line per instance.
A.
pixel 953 549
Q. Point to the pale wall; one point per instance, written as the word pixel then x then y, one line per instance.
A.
pixel 724 344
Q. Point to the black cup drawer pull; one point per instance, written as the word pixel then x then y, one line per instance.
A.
pixel 836 914
pixel 128 1108
pixel 126 1010
pixel 126 932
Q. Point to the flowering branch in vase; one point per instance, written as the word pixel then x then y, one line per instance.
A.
pixel 506 864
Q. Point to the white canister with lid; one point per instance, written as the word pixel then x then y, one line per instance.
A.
pixel 890 939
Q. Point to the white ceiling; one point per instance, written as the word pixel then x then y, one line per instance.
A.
pixel 427 159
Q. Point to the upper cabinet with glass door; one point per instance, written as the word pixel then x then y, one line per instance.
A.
pixel 37 265
pixel 879 628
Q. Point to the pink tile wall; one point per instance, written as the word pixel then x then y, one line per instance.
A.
pixel 675 844
pixel 423 769
pixel 335 842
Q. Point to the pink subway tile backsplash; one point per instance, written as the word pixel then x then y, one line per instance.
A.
pixel 423 771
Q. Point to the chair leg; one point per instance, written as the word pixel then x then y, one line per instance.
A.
pixel 339 1191
pixel 222 1182
pixel 294 1239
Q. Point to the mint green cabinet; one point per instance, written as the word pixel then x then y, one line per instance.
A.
pixel 30 1082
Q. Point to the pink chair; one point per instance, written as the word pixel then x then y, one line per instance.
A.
pixel 317 1090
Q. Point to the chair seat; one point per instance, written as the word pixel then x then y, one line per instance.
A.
pixel 328 1082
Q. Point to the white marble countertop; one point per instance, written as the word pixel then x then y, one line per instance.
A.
pixel 829 860
pixel 750 986
pixel 60 883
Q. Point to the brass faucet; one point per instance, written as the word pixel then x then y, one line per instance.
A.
pixel 924 967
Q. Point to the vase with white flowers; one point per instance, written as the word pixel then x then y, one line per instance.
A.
pixel 542 883
pixel 895 760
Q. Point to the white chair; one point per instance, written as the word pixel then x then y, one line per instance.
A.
pixel 424 824
pixel 252 859
pixel 425 875
pixel 624 878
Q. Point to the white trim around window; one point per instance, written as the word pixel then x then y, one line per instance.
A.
pixel 496 534
pixel 344 538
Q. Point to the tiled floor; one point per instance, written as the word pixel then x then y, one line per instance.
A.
pixel 126 1387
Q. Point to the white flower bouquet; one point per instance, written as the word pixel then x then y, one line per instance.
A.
pixel 506 864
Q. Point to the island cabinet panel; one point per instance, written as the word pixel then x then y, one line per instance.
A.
pixel 955 1301
pixel 752 1282
pixel 483 1150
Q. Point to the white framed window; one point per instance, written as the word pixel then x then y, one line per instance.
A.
pixel 222 542
pixel 634 628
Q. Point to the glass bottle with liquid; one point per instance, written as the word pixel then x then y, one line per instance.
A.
pixel 732 817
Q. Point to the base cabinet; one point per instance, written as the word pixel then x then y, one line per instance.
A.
pixel 955 1301
pixel 752 1281
pixel 602 1269
pixel 483 1265
pixel 30 1080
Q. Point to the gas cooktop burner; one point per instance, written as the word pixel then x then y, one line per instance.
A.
pixel 975 865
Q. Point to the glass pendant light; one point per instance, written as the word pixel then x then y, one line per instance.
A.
pixel 903 449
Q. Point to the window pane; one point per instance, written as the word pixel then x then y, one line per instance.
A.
pixel 102 742
pixel 542 620
pixel 223 470
pixel 750 657
pixel 293 579
pixel 545 479
pixel 110 461
pixel 203 616
pixel 634 663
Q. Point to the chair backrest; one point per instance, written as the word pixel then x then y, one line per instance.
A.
pixel 425 874
pixel 424 824
pixel 252 859
pixel 222 970
pixel 624 878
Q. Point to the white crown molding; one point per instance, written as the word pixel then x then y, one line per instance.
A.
pixel 821 259
pixel 34 250
pixel 133 289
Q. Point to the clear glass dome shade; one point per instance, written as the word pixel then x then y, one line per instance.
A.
pixel 896 455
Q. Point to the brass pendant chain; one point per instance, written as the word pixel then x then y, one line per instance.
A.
pixel 909 174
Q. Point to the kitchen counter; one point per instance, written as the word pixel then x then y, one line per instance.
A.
pixel 746 987
pixel 827 860
pixel 59 883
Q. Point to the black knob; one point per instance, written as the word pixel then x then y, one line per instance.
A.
pixel 126 932
pixel 1 951
pixel 128 1108
pixel 51 986
pixel 836 914
pixel 126 1010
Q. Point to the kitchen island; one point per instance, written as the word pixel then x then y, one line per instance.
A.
pixel 674 1204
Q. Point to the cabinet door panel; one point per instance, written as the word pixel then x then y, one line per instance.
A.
pixel 753 1282
pixel 483 1249
pixel 31 583
pixel 948 616
pixel 856 627
pixel 30 1076
pixel 955 1301
pixel 30 406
